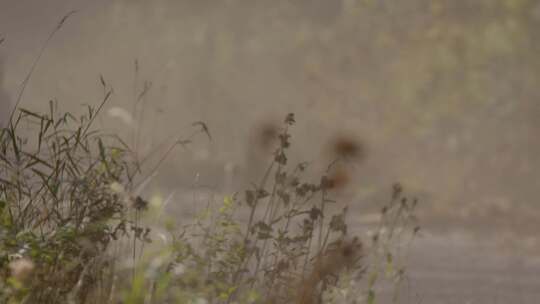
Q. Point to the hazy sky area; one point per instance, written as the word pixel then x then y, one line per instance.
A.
pixel 443 94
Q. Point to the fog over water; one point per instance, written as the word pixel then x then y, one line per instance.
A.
pixel 443 94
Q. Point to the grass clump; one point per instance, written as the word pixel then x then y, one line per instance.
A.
pixel 283 240
pixel 57 211
pixel 67 204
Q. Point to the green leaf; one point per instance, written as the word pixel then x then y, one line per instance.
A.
pixel 227 205
pixel 371 297
pixel 372 279
pixel 389 264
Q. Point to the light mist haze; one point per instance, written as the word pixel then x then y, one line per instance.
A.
pixel 443 94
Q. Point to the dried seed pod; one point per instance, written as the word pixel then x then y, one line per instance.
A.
pixel 347 147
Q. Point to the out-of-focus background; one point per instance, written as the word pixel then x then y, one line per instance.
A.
pixel 444 96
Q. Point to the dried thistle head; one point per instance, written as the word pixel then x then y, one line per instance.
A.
pixel 346 147
pixel 140 204
pixel 339 256
pixel 336 180
pixel 343 254
pixel 289 119
pixel 266 136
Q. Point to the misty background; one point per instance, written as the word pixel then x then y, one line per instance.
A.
pixel 443 94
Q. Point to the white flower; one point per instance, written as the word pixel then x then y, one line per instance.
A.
pixel 199 301
pixel 179 269
pixel 21 269
pixel 117 188
pixel 122 114
pixel 163 237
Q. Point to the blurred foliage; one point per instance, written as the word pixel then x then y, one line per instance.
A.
pixel 68 203
pixel 420 81
pixel 279 242
pixel 58 214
